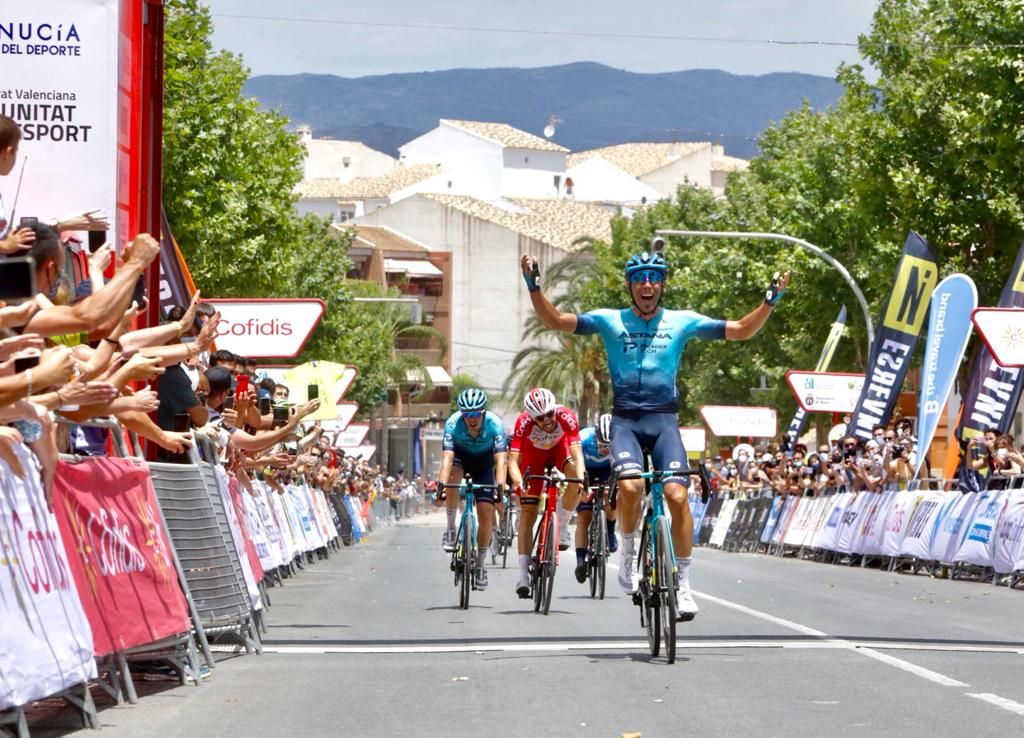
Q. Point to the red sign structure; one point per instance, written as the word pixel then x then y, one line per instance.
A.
pixel 1002 330
pixel 119 553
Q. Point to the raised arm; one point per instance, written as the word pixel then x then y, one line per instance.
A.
pixel 550 316
pixel 749 325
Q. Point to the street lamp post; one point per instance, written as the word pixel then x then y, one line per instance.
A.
pixel 816 250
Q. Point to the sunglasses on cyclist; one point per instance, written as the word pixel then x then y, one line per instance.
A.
pixel 546 416
pixel 653 276
pixel 472 414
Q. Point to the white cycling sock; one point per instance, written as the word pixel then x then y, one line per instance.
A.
pixel 684 571
pixel 524 562
pixel 480 556
pixel 451 520
pixel 628 543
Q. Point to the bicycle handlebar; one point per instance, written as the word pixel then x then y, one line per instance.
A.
pixel 553 479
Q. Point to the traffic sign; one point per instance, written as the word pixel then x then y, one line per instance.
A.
pixel 1002 330
pixel 826 392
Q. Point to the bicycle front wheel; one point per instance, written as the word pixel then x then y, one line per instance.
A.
pixel 467 574
pixel 648 591
pixel 548 565
pixel 601 549
pixel 666 590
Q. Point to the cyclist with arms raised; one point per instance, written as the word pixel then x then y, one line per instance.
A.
pixel 597 456
pixel 644 344
pixel 547 435
pixel 474 444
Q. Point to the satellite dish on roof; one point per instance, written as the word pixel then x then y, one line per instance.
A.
pixel 549 129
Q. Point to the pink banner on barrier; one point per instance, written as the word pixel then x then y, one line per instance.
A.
pixel 119 553
pixel 234 489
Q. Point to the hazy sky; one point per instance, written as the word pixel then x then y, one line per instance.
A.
pixel 281 46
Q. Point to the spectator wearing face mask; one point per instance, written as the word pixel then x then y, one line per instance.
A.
pixel 1003 464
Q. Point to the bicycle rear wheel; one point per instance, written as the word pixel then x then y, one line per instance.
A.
pixel 506 533
pixel 666 594
pixel 548 565
pixel 648 593
pixel 602 554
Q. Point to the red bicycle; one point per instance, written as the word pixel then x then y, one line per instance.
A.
pixel 545 540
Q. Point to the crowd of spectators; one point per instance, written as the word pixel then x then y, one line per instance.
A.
pixel 69 355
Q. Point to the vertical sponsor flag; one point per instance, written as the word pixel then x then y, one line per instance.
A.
pixel 949 328
pixel 994 391
pixel 176 285
pixel 796 425
pixel 902 319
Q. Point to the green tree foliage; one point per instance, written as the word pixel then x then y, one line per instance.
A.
pixel 230 170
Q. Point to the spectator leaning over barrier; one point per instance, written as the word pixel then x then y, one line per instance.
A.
pixel 1002 463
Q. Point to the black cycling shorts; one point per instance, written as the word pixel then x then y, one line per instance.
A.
pixel 481 470
pixel 633 432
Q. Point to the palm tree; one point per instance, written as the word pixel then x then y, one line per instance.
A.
pixel 408 369
pixel 575 368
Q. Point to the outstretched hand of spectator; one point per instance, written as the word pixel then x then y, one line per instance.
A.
pixel 308 408
pixel 142 250
pixel 10 346
pixel 91 220
pixel 18 241
pixel 12 316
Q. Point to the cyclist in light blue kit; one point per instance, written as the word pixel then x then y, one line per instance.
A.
pixel 474 444
pixel 597 458
pixel 644 344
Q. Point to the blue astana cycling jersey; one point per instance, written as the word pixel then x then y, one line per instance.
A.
pixel 592 458
pixel 643 355
pixel 490 440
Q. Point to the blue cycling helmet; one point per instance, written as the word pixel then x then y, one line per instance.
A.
pixel 646 260
pixel 472 399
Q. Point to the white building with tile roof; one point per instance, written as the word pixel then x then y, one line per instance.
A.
pixel 660 166
pixel 488 160
pixel 328 165
pixel 485 240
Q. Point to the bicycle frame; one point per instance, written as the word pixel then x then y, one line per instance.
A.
pixel 543 569
pixel 464 557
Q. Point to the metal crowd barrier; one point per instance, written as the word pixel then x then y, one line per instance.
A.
pixel 114 675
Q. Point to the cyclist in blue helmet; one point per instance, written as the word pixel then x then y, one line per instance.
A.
pixel 474 444
pixel 644 344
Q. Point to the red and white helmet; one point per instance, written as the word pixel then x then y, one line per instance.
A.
pixel 539 401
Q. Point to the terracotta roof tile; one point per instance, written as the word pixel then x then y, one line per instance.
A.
pixel 556 222
pixel 638 159
pixel 362 188
pixel 729 164
pixel 505 135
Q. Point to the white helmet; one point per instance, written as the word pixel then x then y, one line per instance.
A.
pixel 539 401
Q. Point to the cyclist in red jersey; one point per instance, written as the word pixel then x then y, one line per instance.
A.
pixel 546 435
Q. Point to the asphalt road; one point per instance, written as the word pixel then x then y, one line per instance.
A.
pixel 371 643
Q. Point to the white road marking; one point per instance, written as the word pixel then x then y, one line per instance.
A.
pixel 932 676
pixel 998 701
pixel 599 645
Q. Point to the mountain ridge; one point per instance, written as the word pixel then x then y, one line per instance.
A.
pixel 596 105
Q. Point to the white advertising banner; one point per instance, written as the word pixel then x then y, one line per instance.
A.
pixel 235 525
pixel 949 533
pixel 60 78
pixel 364 452
pixel 918 539
pixel 826 392
pixel 869 540
pixel 1010 534
pixel 353 435
pixel 272 328
pixel 721 529
pixel 45 642
pixel 979 543
pixel 896 522
pixel 728 420
pixel 695 439
pixel 1002 329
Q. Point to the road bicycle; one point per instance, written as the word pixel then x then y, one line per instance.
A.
pixel 597 542
pixel 501 540
pixel 659 576
pixel 544 561
pixel 464 557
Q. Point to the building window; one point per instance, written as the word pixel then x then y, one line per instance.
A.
pixel 526 160
pixel 345 161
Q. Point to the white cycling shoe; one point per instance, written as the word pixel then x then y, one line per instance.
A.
pixel 686 607
pixel 629 577
pixel 564 540
pixel 523 585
